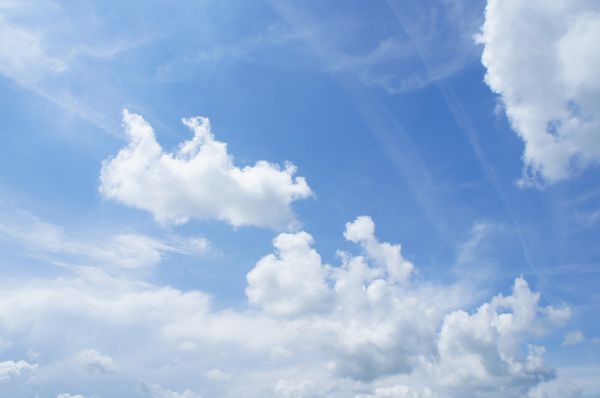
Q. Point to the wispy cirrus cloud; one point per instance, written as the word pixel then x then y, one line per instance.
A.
pixel 120 251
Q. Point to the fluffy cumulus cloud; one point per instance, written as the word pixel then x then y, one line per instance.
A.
pixel 199 180
pixel 93 361
pixel 542 59
pixel 12 369
pixel 362 328
pixel 481 351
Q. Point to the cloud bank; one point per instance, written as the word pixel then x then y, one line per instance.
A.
pixel 199 180
pixel 364 328
pixel 541 58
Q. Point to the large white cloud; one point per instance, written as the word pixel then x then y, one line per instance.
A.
pixel 542 58
pixel 199 180
pixel 482 351
pixel 122 251
pixel 374 334
pixel 12 369
pixel 93 361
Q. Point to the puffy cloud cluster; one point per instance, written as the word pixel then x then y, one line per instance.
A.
pixel 355 302
pixel 121 251
pixel 93 361
pixel 360 329
pixel 12 369
pixel 200 180
pixel 541 57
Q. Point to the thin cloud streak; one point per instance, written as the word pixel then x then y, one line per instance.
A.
pixel 458 113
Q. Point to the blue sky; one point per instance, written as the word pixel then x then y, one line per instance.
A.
pixel 147 255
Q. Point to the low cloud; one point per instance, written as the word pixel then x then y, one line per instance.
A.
pixel 573 338
pixel 122 251
pixel 374 331
pixel 93 361
pixel 199 180
pixel 157 391
pixel 551 95
pixel 12 369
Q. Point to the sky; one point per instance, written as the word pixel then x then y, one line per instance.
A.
pixel 300 199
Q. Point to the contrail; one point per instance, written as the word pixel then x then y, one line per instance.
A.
pixel 456 109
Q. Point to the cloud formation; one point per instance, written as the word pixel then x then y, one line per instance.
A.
pixel 93 361
pixel 199 180
pixel 120 251
pixel 12 369
pixel 541 58
pixel 573 338
pixel 157 391
pixel 290 281
pixel 373 332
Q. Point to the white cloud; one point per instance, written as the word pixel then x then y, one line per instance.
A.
pixel 483 350
pixel 377 335
pixel 217 375
pixel 400 391
pixel 573 338
pixel 279 353
pixel 12 369
pixel 199 181
pixel 541 58
pixel 314 388
pixel 156 391
pixel 93 361
pixel 388 256
pixel 556 389
pixel 23 56
pixel 373 324
pixel 123 250
pixel 67 395
pixel 57 50
pixel 292 280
